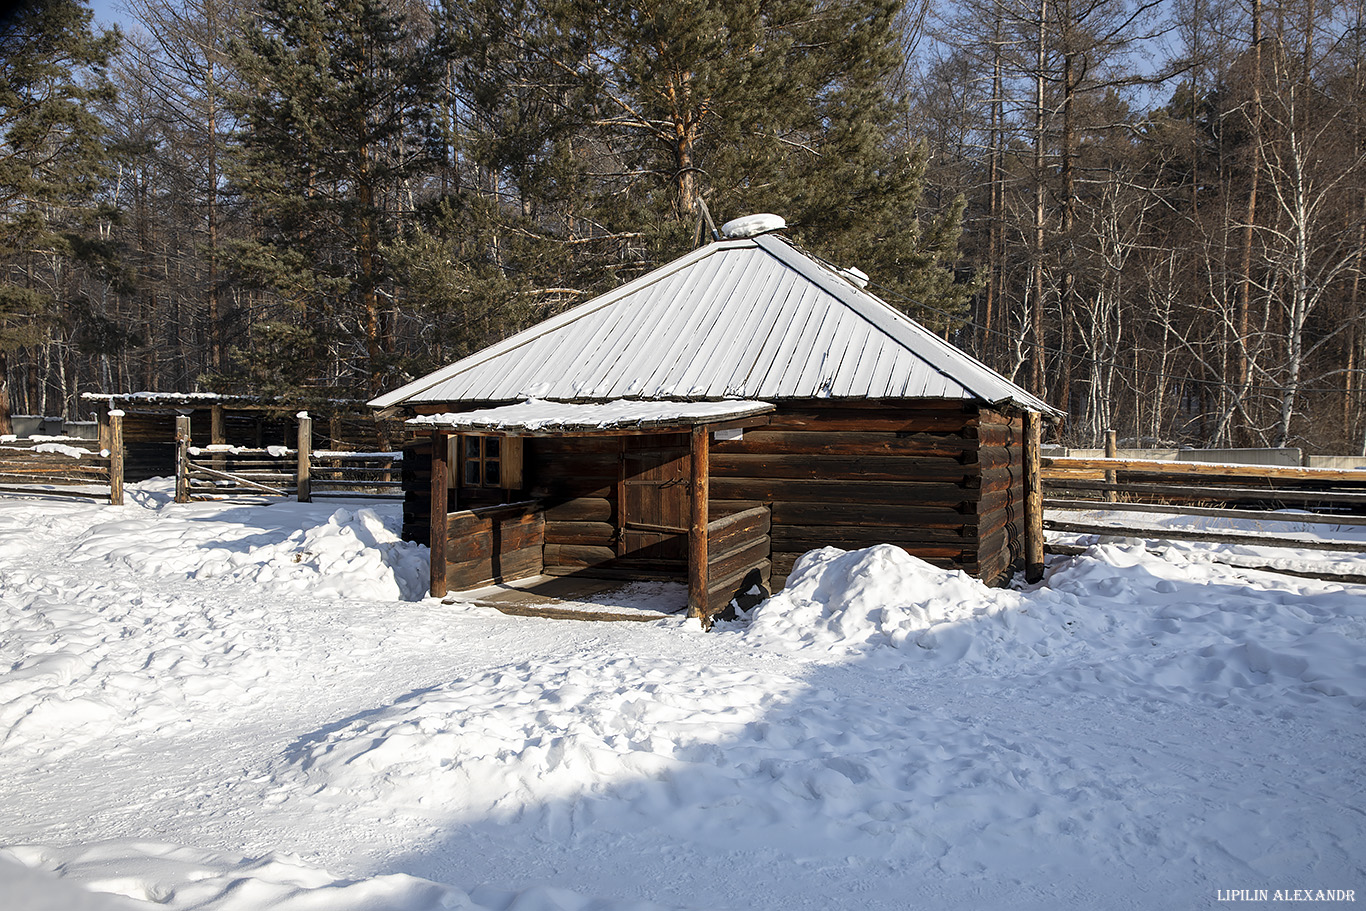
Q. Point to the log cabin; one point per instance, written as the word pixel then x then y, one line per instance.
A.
pixel 710 422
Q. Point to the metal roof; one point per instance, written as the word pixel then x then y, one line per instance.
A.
pixel 754 318
pixel 534 416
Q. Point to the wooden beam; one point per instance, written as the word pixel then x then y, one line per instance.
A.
pixel 440 511
pixel 305 462
pixel 697 531
pixel 1255 515
pixel 1033 499
pixel 1111 452
pixel 115 430
pixel 1153 466
pixel 1172 534
pixel 182 458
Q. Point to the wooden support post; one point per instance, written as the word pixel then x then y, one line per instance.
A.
pixel 115 458
pixel 619 514
pixel 182 458
pixel 102 422
pixel 1111 452
pixel 439 513
pixel 1033 499
pixel 305 469
pixel 697 529
pixel 218 434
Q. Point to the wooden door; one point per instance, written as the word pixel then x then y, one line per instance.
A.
pixel 654 502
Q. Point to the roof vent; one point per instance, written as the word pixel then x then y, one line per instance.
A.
pixel 752 226
pixel 856 277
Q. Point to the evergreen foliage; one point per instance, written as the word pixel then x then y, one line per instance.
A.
pixel 52 158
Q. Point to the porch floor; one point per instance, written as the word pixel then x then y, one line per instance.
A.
pixel 581 598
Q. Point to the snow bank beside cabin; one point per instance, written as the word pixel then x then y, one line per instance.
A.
pixel 1117 616
pixel 351 554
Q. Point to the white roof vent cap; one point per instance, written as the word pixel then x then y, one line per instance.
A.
pixel 752 226
pixel 856 277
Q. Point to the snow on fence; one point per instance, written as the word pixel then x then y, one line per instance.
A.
pixel 64 466
pixel 218 470
pixel 1325 496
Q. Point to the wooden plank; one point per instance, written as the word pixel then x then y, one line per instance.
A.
pixel 723 533
pixel 182 459
pixel 579 509
pixel 507 566
pixel 698 492
pixel 303 463
pixel 438 521
pixel 890 492
pixel 1254 514
pixel 845 443
pixel 740 559
pixel 788 538
pixel 197 472
pixel 872 515
pixel 1171 534
pixel 907 420
pixel 826 467
pixel 1153 466
pixel 578 555
pixel 113 426
pixel 598 533
pixel 1185 494
pixel 1033 505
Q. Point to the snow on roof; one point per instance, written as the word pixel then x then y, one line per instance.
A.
pixel 539 416
pixel 754 318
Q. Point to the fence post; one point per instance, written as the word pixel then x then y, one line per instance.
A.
pixel 1111 476
pixel 115 457
pixel 182 458
pixel 1033 437
pixel 305 457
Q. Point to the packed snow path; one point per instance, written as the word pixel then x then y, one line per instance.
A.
pixel 251 707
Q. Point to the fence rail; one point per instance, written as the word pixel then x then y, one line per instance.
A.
pixel 282 472
pixel 1140 486
pixel 61 468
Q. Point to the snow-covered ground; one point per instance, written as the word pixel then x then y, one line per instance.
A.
pixel 239 707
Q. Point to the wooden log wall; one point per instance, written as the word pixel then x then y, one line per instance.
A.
pixel 417 492
pixel 738 547
pixel 575 479
pixel 930 476
pixel 1001 548
pixel 494 544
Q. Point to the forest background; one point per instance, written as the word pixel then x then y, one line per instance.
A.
pixel 1151 213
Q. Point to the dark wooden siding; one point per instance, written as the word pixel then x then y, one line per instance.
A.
pixel 852 475
pixel 576 481
pixel 1001 549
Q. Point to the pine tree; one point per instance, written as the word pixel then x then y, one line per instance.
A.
pixel 52 157
pixel 333 124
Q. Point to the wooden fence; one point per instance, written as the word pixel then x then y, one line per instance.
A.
pixel 283 472
pixel 66 467
pixel 1327 497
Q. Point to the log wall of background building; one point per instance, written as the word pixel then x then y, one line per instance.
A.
pixel 856 474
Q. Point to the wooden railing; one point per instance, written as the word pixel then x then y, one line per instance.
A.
pixel 66 467
pixel 494 543
pixel 738 566
pixel 280 471
pixel 1203 489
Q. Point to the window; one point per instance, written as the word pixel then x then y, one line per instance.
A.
pixel 481 462
pixel 486 462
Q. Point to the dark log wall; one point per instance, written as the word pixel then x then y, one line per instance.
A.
pixel 576 482
pixel 852 475
pixel 493 544
pixel 1001 456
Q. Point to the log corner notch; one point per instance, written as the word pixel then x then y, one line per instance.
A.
pixel 699 486
pixel 440 510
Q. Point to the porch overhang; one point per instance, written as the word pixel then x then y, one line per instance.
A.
pixel 537 417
